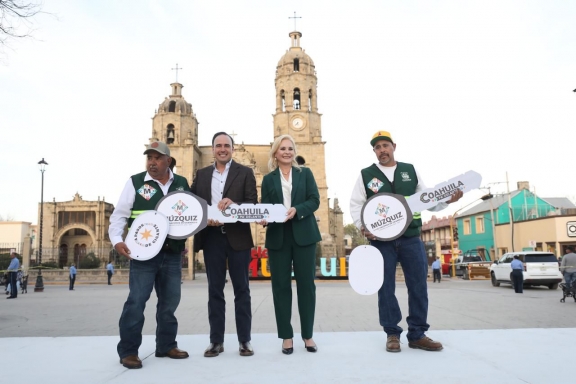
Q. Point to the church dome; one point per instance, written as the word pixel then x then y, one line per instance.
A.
pixel 296 59
pixel 175 102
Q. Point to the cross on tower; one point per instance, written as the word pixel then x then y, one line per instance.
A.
pixel 176 71
pixel 233 135
pixel 295 17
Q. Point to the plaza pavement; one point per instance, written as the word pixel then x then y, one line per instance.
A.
pixel 490 335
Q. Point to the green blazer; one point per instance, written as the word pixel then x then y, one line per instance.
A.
pixel 306 200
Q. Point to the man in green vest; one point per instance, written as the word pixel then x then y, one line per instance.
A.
pixel 391 176
pixel 163 272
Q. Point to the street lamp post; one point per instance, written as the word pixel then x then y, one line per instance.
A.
pixel 39 287
pixel 489 196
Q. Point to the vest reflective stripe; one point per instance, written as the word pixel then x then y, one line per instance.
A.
pixel 135 214
pixel 415 215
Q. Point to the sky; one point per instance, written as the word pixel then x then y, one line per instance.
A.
pixel 461 85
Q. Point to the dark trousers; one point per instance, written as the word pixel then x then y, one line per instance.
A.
pixel 163 274
pixel 109 277
pixel 517 280
pixel 304 261
pixel 217 251
pixel 437 274
pixel 12 278
pixel 72 281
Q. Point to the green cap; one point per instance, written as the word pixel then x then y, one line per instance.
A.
pixel 159 147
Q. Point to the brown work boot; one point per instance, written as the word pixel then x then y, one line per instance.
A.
pixel 426 344
pixel 174 353
pixel 393 343
pixel 131 362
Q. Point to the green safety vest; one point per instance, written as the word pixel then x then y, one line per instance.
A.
pixel 405 183
pixel 148 194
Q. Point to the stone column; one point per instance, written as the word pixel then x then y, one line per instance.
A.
pixel 26 249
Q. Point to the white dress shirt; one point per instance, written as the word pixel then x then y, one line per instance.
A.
pixel 286 189
pixel 218 183
pixel 359 197
pixel 123 209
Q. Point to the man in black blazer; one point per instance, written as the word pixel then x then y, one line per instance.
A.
pixel 223 183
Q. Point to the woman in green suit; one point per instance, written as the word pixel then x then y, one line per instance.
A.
pixel 293 242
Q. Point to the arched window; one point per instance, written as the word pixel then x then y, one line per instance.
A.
pixel 296 98
pixel 170 134
pixel 172 106
pixel 283 97
pixel 296 65
pixel 63 257
pixel 309 99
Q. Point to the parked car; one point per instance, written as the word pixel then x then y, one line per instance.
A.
pixel 462 262
pixel 540 268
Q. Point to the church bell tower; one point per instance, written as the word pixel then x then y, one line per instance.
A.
pixel 175 124
pixel 297 115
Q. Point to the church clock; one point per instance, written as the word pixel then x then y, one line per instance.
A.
pixel 298 123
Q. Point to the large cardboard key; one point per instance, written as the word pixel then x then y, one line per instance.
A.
pixel 146 235
pixel 442 192
pixel 366 271
pixel 386 216
pixel 248 213
pixel 186 213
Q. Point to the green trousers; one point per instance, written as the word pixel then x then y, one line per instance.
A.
pixel 304 261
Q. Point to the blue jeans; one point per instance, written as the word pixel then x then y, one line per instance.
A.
pixel 409 252
pixel 163 273
pixel 569 278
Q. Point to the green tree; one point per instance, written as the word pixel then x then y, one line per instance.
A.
pixel 90 261
pixel 5 260
pixel 357 238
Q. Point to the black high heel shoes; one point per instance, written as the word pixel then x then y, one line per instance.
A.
pixel 287 351
pixel 312 349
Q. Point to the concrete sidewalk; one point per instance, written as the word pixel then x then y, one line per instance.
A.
pixel 490 335
pixel 494 356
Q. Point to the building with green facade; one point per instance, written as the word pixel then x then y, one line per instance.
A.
pixel 476 226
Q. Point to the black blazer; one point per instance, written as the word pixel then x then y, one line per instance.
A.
pixel 240 187
pixel 305 198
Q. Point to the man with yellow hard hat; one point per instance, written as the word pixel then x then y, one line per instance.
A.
pixel 391 176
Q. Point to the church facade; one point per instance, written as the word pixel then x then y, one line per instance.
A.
pixel 296 114
pixel 73 229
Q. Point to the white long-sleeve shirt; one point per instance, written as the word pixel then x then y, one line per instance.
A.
pixel 359 197
pixel 123 209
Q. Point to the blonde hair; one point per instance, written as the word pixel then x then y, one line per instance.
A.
pixel 272 162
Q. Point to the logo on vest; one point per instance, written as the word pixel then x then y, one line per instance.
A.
pixel 405 176
pixel 147 191
pixel 179 207
pixel 374 185
pixel 146 234
pixel 180 188
pixel 440 193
